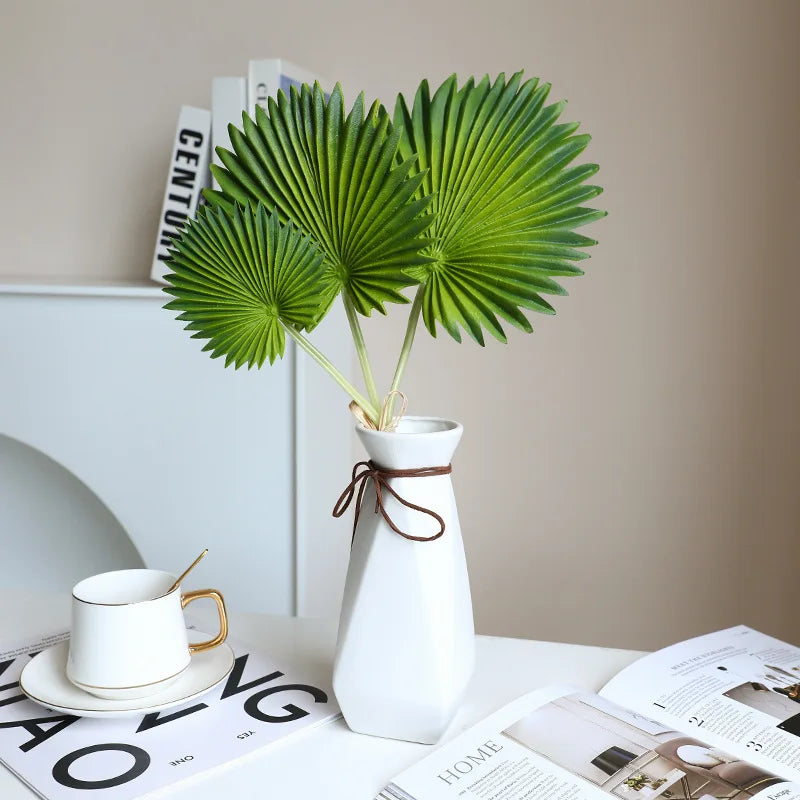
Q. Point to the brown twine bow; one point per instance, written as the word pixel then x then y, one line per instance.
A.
pixel 380 477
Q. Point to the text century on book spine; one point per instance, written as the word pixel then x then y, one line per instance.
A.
pixel 188 175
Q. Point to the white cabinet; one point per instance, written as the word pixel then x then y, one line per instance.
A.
pixel 183 453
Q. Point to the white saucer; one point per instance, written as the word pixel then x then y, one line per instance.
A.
pixel 44 680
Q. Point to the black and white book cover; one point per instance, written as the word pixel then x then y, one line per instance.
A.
pixel 59 755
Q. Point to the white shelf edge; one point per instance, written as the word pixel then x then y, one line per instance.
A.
pixel 88 289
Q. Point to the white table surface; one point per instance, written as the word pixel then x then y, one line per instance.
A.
pixel 332 761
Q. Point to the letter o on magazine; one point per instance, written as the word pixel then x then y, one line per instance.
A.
pixel 62 775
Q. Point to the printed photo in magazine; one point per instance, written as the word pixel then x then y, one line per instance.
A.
pixel 632 757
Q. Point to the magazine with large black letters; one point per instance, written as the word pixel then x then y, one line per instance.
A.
pixel 712 718
pixel 62 756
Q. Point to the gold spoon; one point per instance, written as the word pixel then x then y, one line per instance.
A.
pixel 187 571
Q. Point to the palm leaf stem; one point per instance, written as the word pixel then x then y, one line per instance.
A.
pixel 361 349
pixel 408 342
pixel 369 409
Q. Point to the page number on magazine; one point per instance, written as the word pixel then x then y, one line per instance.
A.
pixel 757 746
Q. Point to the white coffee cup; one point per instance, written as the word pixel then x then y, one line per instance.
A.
pixel 128 637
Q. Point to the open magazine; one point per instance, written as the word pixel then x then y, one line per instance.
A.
pixel 711 718
pixel 59 755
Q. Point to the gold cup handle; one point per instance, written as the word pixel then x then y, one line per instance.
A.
pixel 187 598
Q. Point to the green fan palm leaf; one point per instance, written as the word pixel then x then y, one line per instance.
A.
pixel 336 177
pixel 506 201
pixel 243 280
pixel 240 278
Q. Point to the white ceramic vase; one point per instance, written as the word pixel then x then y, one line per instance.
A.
pixel 406 645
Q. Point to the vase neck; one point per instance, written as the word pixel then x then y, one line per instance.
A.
pixel 418 442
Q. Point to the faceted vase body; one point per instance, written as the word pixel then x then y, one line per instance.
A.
pixel 406 646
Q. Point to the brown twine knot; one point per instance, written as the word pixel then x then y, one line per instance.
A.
pixel 380 478
pixel 388 420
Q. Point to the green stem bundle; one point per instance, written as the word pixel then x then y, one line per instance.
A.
pixel 372 411
pixel 371 406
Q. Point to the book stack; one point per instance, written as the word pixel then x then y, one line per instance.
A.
pixel 201 131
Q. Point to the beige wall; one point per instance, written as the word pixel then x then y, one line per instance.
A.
pixel 628 472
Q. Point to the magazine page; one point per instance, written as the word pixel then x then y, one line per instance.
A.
pixel 59 755
pixel 566 744
pixel 737 689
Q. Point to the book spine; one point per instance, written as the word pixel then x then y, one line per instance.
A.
pixel 228 100
pixel 263 82
pixel 267 76
pixel 291 75
pixel 188 176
